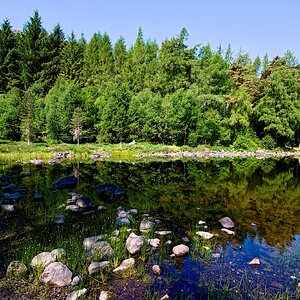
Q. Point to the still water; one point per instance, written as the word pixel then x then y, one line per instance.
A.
pixel 262 197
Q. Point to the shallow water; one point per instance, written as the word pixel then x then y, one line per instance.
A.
pixel 262 197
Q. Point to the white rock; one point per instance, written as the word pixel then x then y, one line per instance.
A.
pixel 169 242
pixel 57 273
pixel 216 255
pixel 163 232
pixel 156 270
pixel 154 242
pixel 59 253
pixel 230 232
pixel 76 294
pixel 205 235
pixel 166 296
pixel 101 207
pixel 134 243
pixel 254 262
pixel 73 208
pixel 293 277
pixel 201 222
pixel 125 265
pixel 180 250
pixel 43 259
pixel 146 225
pixel 76 280
pixel 8 207
pixel 96 267
pixel 104 295
pixel 226 222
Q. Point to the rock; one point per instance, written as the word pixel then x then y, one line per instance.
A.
pixel 185 239
pixel 76 294
pixel 132 211
pixel 226 222
pixel 205 235
pixel 59 253
pixel 65 182
pixel 61 155
pixel 180 250
pixel 8 207
pixel 201 222
pixel 134 243
pixel 96 267
pixel 156 270
pixel 123 222
pixel 169 242
pixel 58 219
pixel 163 232
pixel 154 242
pixel 230 232
pixel 166 296
pixel 293 277
pixel 73 208
pixel 89 242
pixel 101 155
pixel 82 201
pixel 125 265
pixel 109 189
pixel 57 274
pixel 38 197
pixel 101 207
pixel 146 225
pixel 43 259
pixel 104 295
pixel 99 248
pixel 76 280
pixel 38 162
pixel 216 255
pixel 16 269
pixel 254 262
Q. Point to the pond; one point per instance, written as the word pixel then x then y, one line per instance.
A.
pixel 262 197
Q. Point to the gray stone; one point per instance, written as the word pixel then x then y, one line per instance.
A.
pixel 76 294
pixel 205 235
pixel 134 243
pixel 230 232
pixel 125 265
pixel 163 232
pixel 180 250
pixel 76 280
pixel 43 259
pixel 104 295
pixel 8 207
pixel 88 243
pixel 73 208
pixel 132 211
pixel 96 267
pixel 154 242
pixel 16 269
pixel 226 222
pixel 59 253
pixel 146 225
pixel 57 274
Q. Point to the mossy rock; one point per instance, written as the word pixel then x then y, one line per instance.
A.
pixel 16 269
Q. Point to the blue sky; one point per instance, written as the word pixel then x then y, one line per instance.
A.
pixel 256 26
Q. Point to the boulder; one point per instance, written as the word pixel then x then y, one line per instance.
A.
pixel 65 182
pixel 57 274
pixel 146 225
pixel 134 243
pixel 8 207
pixel 180 250
pixel 205 235
pixel 226 222
pixel 16 269
pixel 76 294
pixel 43 259
pixel 96 267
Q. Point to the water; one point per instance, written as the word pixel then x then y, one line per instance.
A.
pixel 262 197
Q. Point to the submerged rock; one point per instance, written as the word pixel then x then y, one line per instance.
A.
pixel 134 243
pixel 57 274
pixel 226 222
pixel 205 235
pixel 76 294
pixel 65 182
pixel 16 269
pixel 180 250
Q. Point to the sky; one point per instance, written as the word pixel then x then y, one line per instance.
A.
pixel 255 26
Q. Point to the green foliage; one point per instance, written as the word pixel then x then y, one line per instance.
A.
pixel 268 142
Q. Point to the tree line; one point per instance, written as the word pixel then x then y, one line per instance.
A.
pixel 56 88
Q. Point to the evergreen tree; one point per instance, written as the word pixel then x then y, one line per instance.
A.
pixel 120 56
